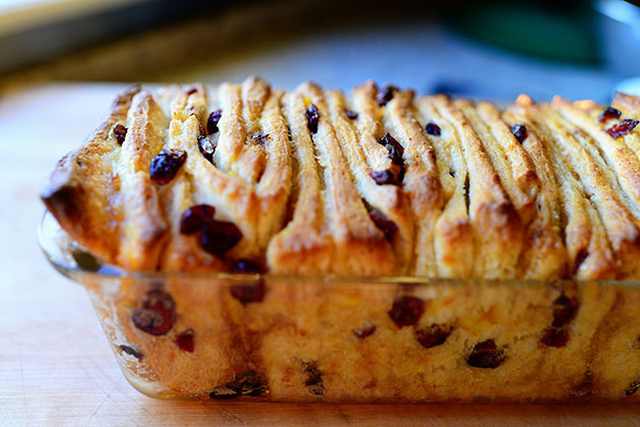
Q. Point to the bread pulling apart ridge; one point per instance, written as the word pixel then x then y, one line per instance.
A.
pixel 379 182
pixel 82 190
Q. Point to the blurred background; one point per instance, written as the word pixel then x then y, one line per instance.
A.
pixel 491 49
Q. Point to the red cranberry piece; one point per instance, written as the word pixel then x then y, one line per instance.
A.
pixel 365 330
pixel 249 293
pixel 186 341
pixel 486 354
pixel 395 150
pixel 120 132
pixel 218 237
pixel 207 146
pixel 351 115
pixel 433 129
pixel 555 337
pixel 192 91
pixel 248 383
pixel 195 218
pixel 621 129
pixel 166 164
pixel 313 117
pixel 131 351
pixel 633 388
pixel 520 132
pixel 406 310
pixel 85 260
pixel 157 314
pixel 608 114
pixel 391 176
pixel 313 378
pixel 580 257
pixel 386 94
pixel 564 310
pixel 212 122
pixel 433 335
pixel 260 138
pixel 246 266
pixel 384 224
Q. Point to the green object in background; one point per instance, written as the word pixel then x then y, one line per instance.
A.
pixel 563 31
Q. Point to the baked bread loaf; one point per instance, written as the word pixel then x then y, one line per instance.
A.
pixel 248 179
pixel 378 183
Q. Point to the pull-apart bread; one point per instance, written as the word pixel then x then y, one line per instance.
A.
pixel 375 182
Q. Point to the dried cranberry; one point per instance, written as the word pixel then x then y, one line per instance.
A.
pixel 384 224
pixel 313 378
pixel 395 150
pixel 246 266
pixel 218 237
pixel 520 132
pixel 248 383
pixel 260 138
pixel 249 293
pixel 406 310
pixel 633 388
pixel 386 94
pixel 313 117
pixel 186 341
pixel 212 122
pixel 555 337
pixel 433 129
pixel 131 351
pixel 486 354
pixel 120 132
pixel 351 115
pixel 624 127
pixel 365 330
pixel 391 176
pixel 192 91
pixel 564 310
pixel 580 257
pixel 433 335
pixel 157 314
pixel 207 146
pixel 166 164
pixel 609 113
pixel 85 260
pixel 196 218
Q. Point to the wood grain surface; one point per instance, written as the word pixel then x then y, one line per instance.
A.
pixel 55 365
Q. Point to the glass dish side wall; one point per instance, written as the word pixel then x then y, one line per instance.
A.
pixel 398 339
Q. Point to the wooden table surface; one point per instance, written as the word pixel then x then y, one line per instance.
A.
pixel 55 365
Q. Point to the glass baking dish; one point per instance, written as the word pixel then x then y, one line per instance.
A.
pixel 392 339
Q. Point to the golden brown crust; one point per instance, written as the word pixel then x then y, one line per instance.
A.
pixel 80 190
pixel 544 254
pixel 389 199
pixel 142 223
pixel 420 182
pixel 345 236
pixel 497 228
pixel 588 249
pixel 468 200
pixel 453 234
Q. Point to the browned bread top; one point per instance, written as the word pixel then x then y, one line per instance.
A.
pixel 378 182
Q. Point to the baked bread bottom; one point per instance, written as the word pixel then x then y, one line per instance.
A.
pixel 353 341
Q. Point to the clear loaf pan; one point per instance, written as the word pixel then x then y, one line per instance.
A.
pixel 402 339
